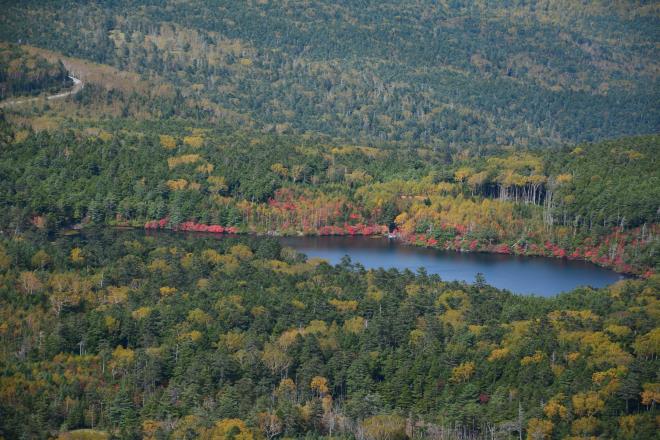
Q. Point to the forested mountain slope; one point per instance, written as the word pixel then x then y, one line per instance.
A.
pixel 182 337
pixel 462 73
pixel 27 74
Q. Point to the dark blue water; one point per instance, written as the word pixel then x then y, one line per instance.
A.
pixel 522 275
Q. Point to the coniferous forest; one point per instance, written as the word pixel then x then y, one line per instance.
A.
pixel 152 154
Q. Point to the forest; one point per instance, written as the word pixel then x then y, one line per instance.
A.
pixel 163 335
pixel 22 74
pixel 144 292
pixel 457 73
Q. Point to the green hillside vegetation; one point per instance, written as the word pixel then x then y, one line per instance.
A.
pixel 24 74
pixel 442 73
pixel 526 128
pixel 595 201
pixel 165 336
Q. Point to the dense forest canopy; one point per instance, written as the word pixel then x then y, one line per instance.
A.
pixel 527 128
pixel 443 73
pixel 22 74
pixel 193 338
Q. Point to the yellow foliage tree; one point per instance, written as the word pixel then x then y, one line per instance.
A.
pixel 77 256
pixel 168 142
pixel 538 429
pixel 463 372
pixel 587 404
pixel 228 429
pixel 320 385
pixel 344 306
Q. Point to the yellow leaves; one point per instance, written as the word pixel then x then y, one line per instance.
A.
pixel 454 299
pixel 198 316
pixel 358 177
pixel 193 141
pixel 587 404
pixel 374 294
pixel 416 337
pixel 452 317
pixel 288 337
pixel 628 425
pixel 29 282
pixel 40 259
pixel 5 260
pixel 117 295
pixel 463 372
pixel 211 256
pixel 192 336
pixel 608 381
pixel 245 62
pixel 175 161
pixel 167 291
pixel 77 256
pixel 584 426
pixel 413 289
pixel 648 344
pixel 177 184
pixel 320 385
pixel 463 173
pixel 476 329
pixel 168 142
pixel 122 357
pixel 499 354
pixel 538 429
pixel 582 317
pixel 111 323
pixel 297 304
pixel 564 178
pixel 280 170
pixel 149 429
pixel 275 359
pixel 159 265
pixel 141 313
pixel 536 358
pixel 355 325
pixel 206 168
pixel 316 327
pixel 602 349
pixel 390 426
pixel 555 408
pixel 241 251
pixel 228 429
pixel 84 434
pixel 233 340
pixel 257 311
pixel 286 389
pixel 344 306
pixel 557 369
pixel 217 184
pixel 650 394
pixel 620 331
pixel 573 356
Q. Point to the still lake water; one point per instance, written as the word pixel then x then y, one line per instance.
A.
pixel 523 275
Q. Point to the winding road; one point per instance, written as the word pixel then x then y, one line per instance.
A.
pixel 77 86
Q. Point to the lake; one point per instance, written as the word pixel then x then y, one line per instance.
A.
pixel 523 275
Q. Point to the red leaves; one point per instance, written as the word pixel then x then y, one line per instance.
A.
pixel 346 229
pixel 190 227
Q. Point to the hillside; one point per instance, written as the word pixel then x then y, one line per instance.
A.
pixel 146 291
pixel 441 73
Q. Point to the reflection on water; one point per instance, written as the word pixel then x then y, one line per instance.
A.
pixel 524 275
